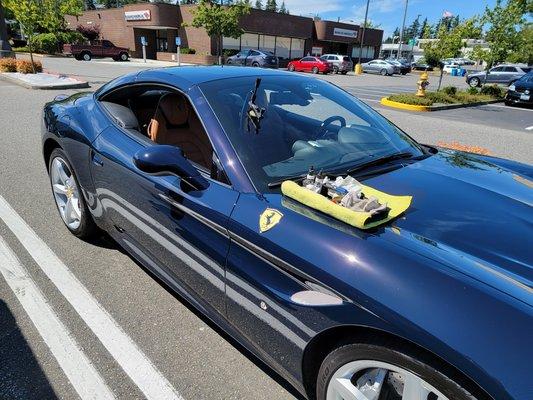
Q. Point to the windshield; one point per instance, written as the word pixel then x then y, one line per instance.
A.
pixel 305 122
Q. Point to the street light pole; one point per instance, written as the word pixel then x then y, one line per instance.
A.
pixel 358 68
pixel 401 32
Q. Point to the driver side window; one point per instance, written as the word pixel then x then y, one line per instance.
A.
pixel 164 117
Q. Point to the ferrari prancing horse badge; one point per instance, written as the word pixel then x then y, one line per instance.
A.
pixel 268 219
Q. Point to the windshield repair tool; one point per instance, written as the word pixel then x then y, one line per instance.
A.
pixel 255 113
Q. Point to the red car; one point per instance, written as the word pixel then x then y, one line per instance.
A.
pixel 310 64
pixel 97 48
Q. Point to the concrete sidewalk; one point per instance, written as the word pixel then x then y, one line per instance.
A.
pixel 43 80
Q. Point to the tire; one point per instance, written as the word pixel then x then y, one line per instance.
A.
pixel 77 57
pixel 350 354
pixel 229 62
pixel 123 57
pixel 335 69
pixel 291 67
pixel 86 56
pixel 315 70
pixel 383 72
pixel 344 72
pixel 86 228
pixel 404 73
pixel 255 64
pixel 474 82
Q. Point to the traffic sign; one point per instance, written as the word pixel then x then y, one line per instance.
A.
pixel 178 41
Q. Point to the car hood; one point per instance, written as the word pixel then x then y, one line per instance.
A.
pixel 470 213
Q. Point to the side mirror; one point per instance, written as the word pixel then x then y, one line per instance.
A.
pixel 166 160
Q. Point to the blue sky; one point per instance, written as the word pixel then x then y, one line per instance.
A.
pixel 388 13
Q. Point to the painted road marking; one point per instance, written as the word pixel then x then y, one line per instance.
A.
pixel 132 360
pixel 529 128
pixel 508 107
pixel 79 370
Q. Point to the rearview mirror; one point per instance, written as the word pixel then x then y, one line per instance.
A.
pixel 165 160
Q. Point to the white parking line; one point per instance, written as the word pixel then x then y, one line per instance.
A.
pixel 132 360
pixel 80 372
pixel 508 107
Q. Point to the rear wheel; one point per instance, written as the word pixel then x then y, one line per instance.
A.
pixel 372 372
pixel 86 56
pixel 315 70
pixel 255 64
pixel 335 69
pixel 123 57
pixel 68 196
pixel 291 67
pixel 383 72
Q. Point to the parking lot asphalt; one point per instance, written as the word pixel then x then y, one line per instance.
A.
pixel 189 355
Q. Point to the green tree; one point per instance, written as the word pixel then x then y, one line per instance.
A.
pixel 370 24
pixel 283 8
pixel 258 4
pixel 502 34
pixel 219 21
pixel 53 13
pixel 412 31
pixel 524 50
pixel 424 28
pixel 271 5
pixel 28 14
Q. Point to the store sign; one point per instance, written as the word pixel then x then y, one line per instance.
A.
pixel 140 15
pixel 345 33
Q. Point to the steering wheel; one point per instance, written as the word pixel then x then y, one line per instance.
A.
pixel 322 131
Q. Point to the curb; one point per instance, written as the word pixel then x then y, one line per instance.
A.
pixel 79 85
pixel 411 107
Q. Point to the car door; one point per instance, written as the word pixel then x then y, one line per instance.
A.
pixel 241 59
pixel 307 63
pixel 495 75
pixel 176 231
pixel 511 74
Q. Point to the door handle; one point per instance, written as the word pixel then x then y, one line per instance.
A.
pixel 96 159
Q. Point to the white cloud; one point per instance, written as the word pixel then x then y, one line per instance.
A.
pixel 312 7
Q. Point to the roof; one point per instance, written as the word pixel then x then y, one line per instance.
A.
pixel 194 75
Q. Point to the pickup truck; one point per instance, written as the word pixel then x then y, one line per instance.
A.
pixel 98 48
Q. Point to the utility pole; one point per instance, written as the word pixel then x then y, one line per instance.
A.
pixel 401 32
pixel 358 68
pixel 5 47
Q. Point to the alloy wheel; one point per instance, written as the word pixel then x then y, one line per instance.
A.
pixel 373 380
pixel 474 82
pixel 66 193
pixel 87 57
pixel 124 57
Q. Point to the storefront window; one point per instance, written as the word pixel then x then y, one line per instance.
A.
pixel 230 43
pixel 367 53
pixel 297 48
pixel 267 43
pixel 283 46
pixel 162 40
pixel 249 41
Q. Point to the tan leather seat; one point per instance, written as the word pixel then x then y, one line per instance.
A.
pixel 175 123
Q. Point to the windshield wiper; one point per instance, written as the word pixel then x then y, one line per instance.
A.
pixel 286 178
pixel 381 160
pixel 254 112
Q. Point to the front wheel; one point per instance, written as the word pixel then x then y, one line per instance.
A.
pixel 123 57
pixel 474 82
pixel 365 372
pixel 315 70
pixel 86 56
pixel 344 72
pixel 335 69
pixel 291 67
pixel 69 197
pixel 255 64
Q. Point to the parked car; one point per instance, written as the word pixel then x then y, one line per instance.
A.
pixel 447 68
pixel 96 49
pixel 421 66
pixel 501 74
pixel 380 67
pixel 435 304
pixel 310 64
pixel 521 91
pixel 402 65
pixel 254 58
pixel 339 63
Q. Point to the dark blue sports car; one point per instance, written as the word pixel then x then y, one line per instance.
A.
pixel 183 166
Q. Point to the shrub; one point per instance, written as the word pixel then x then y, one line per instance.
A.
pixel 91 32
pixel 71 37
pixel 492 90
pixel 46 43
pixel 449 90
pixel 472 90
pixel 441 97
pixel 8 65
pixel 229 52
pixel 407 98
pixel 24 67
pixel 23 49
pixel 187 50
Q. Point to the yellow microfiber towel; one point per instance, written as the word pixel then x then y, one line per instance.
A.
pixel 396 204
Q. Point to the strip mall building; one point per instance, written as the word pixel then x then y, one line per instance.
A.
pixel 288 36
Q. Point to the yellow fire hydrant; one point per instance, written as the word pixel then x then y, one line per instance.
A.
pixel 358 69
pixel 422 84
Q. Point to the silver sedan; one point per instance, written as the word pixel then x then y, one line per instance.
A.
pixel 380 67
